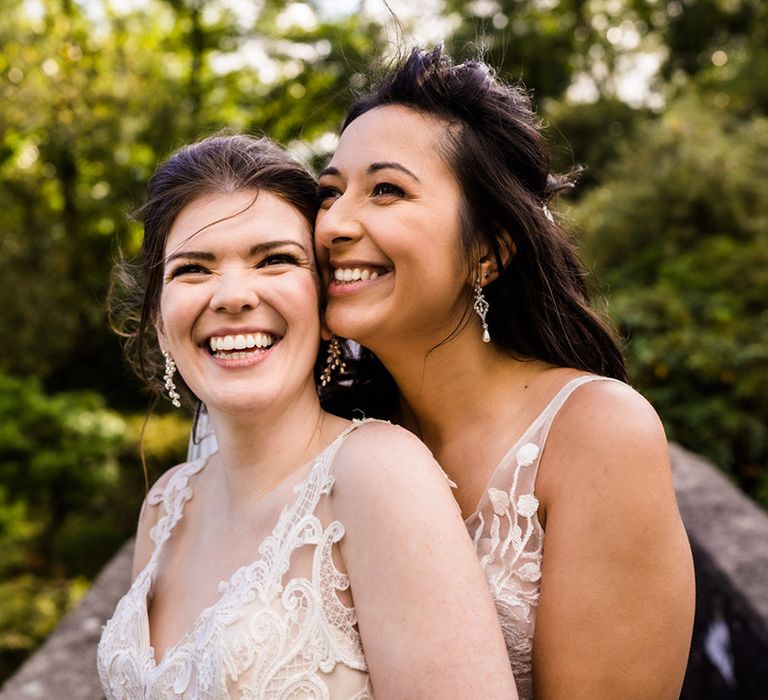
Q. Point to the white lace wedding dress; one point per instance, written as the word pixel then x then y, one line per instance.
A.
pixel 509 539
pixel 278 629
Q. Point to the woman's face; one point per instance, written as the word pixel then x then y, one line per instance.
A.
pixel 239 304
pixel 387 233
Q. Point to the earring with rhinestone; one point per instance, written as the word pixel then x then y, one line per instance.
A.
pixel 481 307
pixel 170 387
pixel 333 360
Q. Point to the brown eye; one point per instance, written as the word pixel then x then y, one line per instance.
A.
pixel 280 259
pixel 326 196
pixel 387 189
pixel 188 269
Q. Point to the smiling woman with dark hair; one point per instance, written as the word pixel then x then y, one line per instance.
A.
pixel 310 557
pixel 443 260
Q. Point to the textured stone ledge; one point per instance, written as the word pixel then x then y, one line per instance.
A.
pixel 729 536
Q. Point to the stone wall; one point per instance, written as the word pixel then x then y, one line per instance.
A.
pixel 729 536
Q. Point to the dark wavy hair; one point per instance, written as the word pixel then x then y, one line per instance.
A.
pixel 216 165
pixel 539 303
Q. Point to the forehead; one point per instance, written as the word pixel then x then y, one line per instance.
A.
pixel 252 214
pixel 392 132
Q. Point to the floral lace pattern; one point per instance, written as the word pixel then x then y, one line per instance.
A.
pixel 509 539
pixel 278 629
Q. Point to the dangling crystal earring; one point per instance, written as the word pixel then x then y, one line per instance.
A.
pixel 481 309
pixel 170 370
pixel 332 361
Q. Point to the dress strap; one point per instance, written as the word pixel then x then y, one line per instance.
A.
pixel 172 499
pixel 547 416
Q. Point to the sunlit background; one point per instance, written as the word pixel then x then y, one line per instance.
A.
pixel 663 101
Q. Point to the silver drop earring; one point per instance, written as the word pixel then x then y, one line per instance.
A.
pixel 332 361
pixel 170 387
pixel 481 307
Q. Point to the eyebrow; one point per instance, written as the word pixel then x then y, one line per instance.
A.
pixel 257 249
pixel 375 167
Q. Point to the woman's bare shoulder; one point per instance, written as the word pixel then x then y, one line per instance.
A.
pixel 606 416
pixel 378 449
pixel 379 461
pixel 606 438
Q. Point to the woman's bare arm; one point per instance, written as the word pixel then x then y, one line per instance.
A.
pixel 426 617
pixel 617 595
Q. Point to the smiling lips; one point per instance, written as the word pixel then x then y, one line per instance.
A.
pixel 357 274
pixel 240 346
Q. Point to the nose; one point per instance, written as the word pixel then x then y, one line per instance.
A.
pixel 338 225
pixel 234 293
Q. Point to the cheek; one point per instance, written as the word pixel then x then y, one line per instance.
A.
pixel 321 252
pixel 303 300
pixel 177 309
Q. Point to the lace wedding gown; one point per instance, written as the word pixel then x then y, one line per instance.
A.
pixel 278 628
pixel 509 538
pixel 507 534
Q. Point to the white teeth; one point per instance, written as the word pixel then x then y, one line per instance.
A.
pixel 263 340
pixel 348 274
pixel 240 342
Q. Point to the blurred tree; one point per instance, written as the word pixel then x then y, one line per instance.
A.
pixel 527 40
pixel 77 147
pixel 89 105
pixel 720 44
pixel 590 135
pixel 678 231
pixel 57 456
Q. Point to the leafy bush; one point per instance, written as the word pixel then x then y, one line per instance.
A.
pixel 165 439
pixel 679 232
pixel 58 455
pixel 32 607
pixel 71 484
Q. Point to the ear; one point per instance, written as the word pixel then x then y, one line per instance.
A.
pixel 488 265
pixel 160 332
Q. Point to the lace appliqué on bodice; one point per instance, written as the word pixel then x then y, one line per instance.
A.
pixel 509 539
pixel 278 629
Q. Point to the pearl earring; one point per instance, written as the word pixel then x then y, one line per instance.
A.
pixel 170 370
pixel 481 307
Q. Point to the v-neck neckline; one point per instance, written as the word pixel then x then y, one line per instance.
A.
pixel 227 586
pixel 560 395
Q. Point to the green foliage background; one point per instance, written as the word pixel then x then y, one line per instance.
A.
pixel 671 214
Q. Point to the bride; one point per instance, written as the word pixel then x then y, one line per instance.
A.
pixel 310 557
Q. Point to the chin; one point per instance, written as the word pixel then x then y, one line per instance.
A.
pixel 233 403
pixel 345 323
